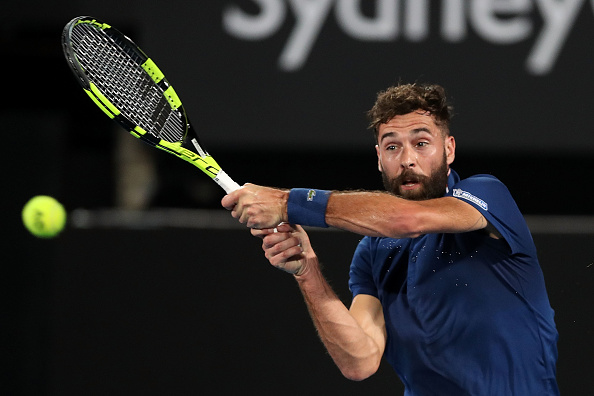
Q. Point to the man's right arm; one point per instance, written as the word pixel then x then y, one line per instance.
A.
pixel 355 337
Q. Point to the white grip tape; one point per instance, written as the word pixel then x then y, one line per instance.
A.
pixel 226 182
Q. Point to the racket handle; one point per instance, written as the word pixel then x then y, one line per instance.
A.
pixel 226 182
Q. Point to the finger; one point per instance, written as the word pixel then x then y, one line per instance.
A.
pixel 291 254
pixel 237 210
pixel 303 237
pixel 263 232
pixel 230 200
pixel 275 246
pixel 275 238
pixel 242 217
pixel 285 227
pixel 247 216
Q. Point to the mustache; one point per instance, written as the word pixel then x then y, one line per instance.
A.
pixel 409 175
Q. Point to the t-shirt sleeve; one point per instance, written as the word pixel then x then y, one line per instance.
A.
pixel 361 275
pixel 492 198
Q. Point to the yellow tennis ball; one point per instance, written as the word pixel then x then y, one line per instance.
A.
pixel 44 216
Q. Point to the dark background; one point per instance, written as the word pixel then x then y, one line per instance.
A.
pixel 125 308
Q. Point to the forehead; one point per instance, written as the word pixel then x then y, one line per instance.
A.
pixel 408 123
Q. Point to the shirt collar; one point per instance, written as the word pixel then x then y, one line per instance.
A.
pixel 453 178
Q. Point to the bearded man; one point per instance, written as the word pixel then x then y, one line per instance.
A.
pixel 446 283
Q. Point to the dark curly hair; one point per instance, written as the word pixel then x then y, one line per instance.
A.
pixel 406 98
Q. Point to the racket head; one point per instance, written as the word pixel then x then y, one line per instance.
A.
pixel 130 88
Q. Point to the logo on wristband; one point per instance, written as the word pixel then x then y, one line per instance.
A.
pixel 310 195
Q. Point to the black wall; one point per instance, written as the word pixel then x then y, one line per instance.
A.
pixel 119 311
pixel 104 311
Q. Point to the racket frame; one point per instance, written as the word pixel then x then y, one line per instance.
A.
pixel 188 148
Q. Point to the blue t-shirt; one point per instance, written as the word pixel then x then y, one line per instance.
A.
pixel 466 314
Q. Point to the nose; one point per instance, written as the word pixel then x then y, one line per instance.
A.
pixel 408 158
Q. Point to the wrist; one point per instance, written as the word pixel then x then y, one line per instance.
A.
pixel 307 207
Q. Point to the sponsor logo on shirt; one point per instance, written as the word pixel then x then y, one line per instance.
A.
pixel 459 193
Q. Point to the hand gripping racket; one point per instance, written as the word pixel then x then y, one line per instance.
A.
pixel 129 87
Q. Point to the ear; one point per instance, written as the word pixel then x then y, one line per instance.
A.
pixel 450 149
pixel 379 163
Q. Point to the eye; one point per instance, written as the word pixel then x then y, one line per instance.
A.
pixel 392 147
pixel 422 144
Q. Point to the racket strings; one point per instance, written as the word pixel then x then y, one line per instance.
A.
pixel 115 68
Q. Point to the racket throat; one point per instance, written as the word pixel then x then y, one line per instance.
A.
pixel 199 149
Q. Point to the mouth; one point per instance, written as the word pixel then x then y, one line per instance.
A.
pixel 410 183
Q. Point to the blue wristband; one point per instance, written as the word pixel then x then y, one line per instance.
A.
pixel 308 207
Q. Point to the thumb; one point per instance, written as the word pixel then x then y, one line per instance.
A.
pixel 230 200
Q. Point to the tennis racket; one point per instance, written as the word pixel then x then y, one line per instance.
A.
pixel 129 87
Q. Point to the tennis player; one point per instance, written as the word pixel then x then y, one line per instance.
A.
pixel 446 283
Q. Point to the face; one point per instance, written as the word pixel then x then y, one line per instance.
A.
pixel 414 156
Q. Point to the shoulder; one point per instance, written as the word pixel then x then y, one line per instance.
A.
pixel 491 197
pixel 482 184
pixel 481 180
pixel 482 191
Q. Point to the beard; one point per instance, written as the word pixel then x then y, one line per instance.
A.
pixel 432 186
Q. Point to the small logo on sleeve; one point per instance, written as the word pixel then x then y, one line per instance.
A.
pixel 459 193
pixel 310 195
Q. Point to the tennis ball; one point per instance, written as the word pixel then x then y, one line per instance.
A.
pixel 44 217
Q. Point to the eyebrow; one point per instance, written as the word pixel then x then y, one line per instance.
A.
pixel 413 131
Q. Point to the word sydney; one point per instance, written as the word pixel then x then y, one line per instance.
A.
pixel 500 22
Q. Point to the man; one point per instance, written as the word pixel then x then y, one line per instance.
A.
pixel 446 283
